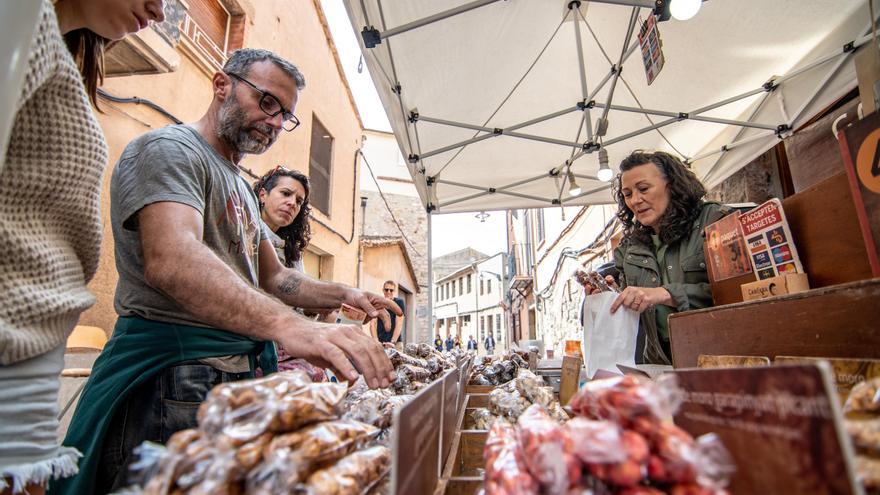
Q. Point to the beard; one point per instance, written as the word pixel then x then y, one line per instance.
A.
pixel 233 130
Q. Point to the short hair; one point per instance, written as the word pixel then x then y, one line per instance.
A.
pixel 392 282
pixel 240 61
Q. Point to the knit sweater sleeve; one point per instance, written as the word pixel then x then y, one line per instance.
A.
pixel 42 62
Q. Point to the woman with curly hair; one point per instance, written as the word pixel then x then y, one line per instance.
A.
pixel 660 259
pixel 284 206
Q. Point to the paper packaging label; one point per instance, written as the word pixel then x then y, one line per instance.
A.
pixel 726 246
pixel 781 424
pixel 771 247
pixel 350 315
pixel 847 372
pixel 775 286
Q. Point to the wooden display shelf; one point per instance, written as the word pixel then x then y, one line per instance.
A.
pixel 837 321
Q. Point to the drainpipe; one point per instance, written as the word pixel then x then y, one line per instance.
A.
pixel 361 243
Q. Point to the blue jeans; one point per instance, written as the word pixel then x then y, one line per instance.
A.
pixel 155 410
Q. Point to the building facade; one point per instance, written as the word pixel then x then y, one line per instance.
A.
pixel 470 301
pixel 392 211
pixel 168 69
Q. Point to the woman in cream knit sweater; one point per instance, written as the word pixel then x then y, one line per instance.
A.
pixel 50 226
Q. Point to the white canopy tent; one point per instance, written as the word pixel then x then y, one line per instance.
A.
pixel 494 101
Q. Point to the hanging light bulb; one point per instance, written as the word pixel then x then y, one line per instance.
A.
pixel 605 173
pixel 573 188
pixel 684 9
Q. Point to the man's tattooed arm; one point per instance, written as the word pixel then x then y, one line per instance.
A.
pixel 290 285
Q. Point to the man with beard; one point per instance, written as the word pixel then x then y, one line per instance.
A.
pixel 196 276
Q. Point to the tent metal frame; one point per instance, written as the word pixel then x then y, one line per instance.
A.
pixel 372 38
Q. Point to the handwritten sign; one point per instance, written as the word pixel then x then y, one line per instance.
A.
pixel 781 424
pixel 451 389
pixel 415 442
pixel 569 380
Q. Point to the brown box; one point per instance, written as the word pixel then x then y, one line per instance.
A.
pixel 775 286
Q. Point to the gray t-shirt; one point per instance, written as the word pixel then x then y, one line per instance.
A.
pixel 176 164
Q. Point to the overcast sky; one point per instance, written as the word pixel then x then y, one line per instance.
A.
pixel 451 232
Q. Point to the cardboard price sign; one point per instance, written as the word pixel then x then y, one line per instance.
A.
pixel 860 150
pixel 847 372
pixel 782 425
pixel 451 388
pixel 416 442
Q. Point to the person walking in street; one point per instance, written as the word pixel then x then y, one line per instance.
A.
pixel 457 343
pixel 390 334
pixel 472 344
pixel 489 344
pixel 438 343
pixel 449 342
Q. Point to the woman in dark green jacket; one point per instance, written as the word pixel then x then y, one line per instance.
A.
pixel 660 259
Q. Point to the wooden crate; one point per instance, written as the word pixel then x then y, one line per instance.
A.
pixel 476 400
pixel 479 389
pixel 838 321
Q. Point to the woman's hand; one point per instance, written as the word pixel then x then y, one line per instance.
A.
pixel 641 298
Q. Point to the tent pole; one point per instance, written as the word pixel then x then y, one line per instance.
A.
pixel 856 44
pixel 640 131
pixel 587 177
pixel 375 38
pixel 731 145
pixel 729 100
pixel 739 123
pixel 582 72
pixel 456 145
pixel 591 191
pixel 648 4
pixel 825 80
pixel 633 18
pixel 505 132
pixel 487 192
pixel 520 182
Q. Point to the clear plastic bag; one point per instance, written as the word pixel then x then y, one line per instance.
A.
pixel 483 419
pixel 310 404
pixel 864 398
pixel 677 459
pixel 399 358
pixel 244 410
pixel 415 373
pixel 596 441
pixel 625 398
pixel 507 404
pixel 506 471
pixel 548 451
pixel 532 387
pixel 291 457
pixel 355 474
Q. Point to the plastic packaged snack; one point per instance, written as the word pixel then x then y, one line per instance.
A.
pixel 244 410
pixel 507 404
pixel 865 435
pixel 532 387
pixel 354 474
pixel 483 419
pixel 548 451
pixel 291 457
pixel 626 398
pixel 703 461
pixel 415 373
pixel 596 441
pixel 864 398
pixel 310 404
pixel 506 472
pixel 399 358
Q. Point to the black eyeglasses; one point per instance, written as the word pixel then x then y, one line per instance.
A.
pixel 270 105
pixel 388 290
